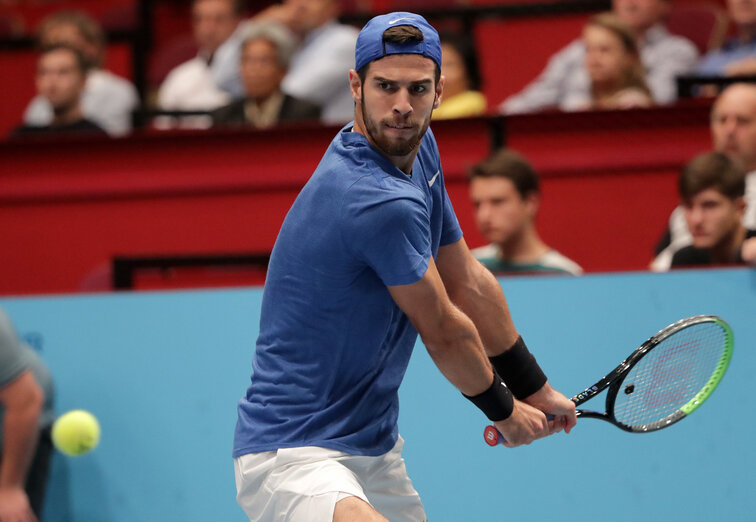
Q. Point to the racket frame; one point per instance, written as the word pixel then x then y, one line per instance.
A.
pixel 613 380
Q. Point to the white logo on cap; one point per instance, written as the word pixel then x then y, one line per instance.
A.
pixel 392 22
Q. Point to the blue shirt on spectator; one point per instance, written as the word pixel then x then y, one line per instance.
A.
pixel 715 62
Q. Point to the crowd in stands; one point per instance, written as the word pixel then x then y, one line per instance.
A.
pixel 290 62
pixel 624 58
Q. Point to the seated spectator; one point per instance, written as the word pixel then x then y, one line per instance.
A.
pixel 459 66
pixel 211 79
pixel 712 191
pixel 733 132
pixel 505 193
pixel 108 100
pixel 565 83
pixel 61 77
pixel 738 55
pixel 613 65
pixel 265 55
pixel 321 64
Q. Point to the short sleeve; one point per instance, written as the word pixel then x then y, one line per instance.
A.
pixel 12 360
pixel 391 235
pixel 451 232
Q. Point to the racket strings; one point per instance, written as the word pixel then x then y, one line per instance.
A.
pixel 670 375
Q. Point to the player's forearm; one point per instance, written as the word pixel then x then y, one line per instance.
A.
pixel 483 301
pixel 20 434
pixel 455 347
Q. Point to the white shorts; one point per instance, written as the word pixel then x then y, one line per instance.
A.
pixel 304 484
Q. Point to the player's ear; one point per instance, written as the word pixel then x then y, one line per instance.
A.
pixel 740 206
pixel 355 85
pixel 439 92
pixel 533 202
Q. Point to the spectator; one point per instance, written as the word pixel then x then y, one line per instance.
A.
pixel 61 79
pixel 211 79
pixel 265 55
pixel 565 84
pixel 108 100
pixel 613 65
pixel 733 131
pixel 505 193
pixel 26 416
pixel 324 57
pixel 459 66
pixel 738 55
pixel 712 191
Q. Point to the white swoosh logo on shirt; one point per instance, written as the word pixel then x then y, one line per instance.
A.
pixel 433 179
pixel 392 22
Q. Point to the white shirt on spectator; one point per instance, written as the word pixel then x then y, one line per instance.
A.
pixel 565 84
pixel 197 85
pixel 319 71
pixel 680 236
pixel 107 100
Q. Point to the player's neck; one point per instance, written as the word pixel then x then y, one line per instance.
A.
pixel 403 163
pixel 523 247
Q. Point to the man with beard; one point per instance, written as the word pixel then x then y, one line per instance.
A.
pixel 61 76
pixel 369 255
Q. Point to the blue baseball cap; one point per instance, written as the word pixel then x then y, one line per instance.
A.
pixel 370 45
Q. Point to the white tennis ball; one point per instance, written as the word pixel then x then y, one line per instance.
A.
pixel 76 432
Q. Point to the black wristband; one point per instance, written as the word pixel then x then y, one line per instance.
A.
pixel 519 370
pixel 496 402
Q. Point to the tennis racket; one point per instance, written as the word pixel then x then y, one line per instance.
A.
pixel 663 381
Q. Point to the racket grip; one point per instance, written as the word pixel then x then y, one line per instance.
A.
pixel 493 437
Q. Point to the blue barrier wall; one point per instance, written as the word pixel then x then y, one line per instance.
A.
pixel 163 372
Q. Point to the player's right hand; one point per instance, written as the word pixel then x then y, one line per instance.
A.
pixel 525 425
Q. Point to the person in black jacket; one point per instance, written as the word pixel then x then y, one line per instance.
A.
pixel 712 191
pixel 265 54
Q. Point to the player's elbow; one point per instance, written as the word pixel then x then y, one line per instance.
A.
pixel 452 331
pixel 24 397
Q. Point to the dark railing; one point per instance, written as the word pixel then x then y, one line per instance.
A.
pixel 125 268
pixel 687 86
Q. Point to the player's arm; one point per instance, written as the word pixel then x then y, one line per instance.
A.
pixel 476 292
pixel 23 399
pixel 454 345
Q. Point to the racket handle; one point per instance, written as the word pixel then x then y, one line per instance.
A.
pixel 493 437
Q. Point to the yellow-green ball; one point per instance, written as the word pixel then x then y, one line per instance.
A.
pixel 76 432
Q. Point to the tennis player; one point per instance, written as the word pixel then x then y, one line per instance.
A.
pixel 369 255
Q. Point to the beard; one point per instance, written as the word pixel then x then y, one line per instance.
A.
pixel 394 146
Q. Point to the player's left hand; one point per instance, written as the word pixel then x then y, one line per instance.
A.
pixel 548 400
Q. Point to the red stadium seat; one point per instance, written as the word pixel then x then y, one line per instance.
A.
pixel 704 24
pixel 11 25
pixel 165 58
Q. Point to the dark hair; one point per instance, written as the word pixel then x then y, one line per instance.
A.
pixel 399 35
pixel 711 170
pixel 508 164
pixel 466 49
pixel 81 61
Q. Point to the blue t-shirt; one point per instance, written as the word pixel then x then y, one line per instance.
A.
pixel 333 345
